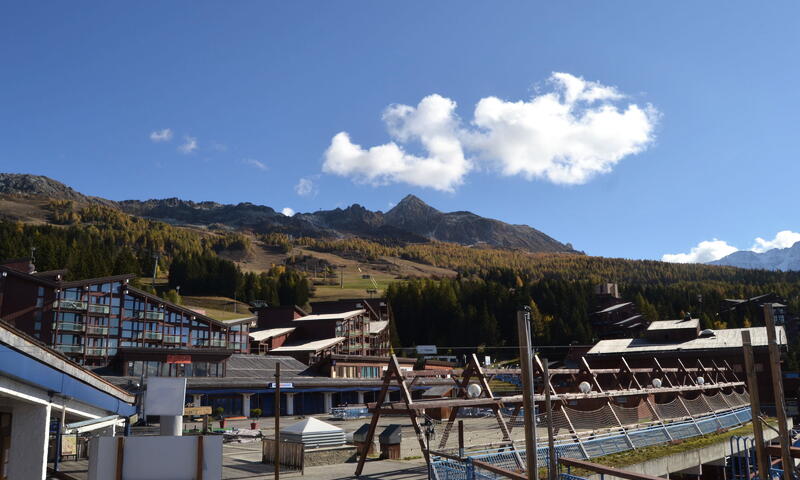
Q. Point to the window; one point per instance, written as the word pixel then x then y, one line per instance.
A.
pixel 201 369
pixel 152 369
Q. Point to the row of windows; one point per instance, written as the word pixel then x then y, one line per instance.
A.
pixel 358 372
pixel 144 323
pixel 153 368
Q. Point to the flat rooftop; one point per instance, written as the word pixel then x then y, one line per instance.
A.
pixel 330 316
pixel 721 339
pixel 692 324
pixel 260 335
pixel 311 346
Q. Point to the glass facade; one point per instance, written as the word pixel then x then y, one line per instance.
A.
pixel 92 321
pixel 154 368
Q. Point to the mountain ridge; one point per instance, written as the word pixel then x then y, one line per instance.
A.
pixel 411 220
pixel 783 259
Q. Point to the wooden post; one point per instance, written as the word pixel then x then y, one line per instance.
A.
pixel 373 424
pixel 487 391
pixel 200 453
pixel 120 457
pixel 551 449
pixel 277 462
pixel 777 388
pixel 525 356
pixel 755 406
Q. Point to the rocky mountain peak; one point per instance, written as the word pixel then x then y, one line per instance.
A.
pixel 37 186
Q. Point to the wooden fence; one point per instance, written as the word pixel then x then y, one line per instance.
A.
pixel 292 455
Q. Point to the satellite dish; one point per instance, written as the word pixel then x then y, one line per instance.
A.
pixel 585 387
pixel 657 382
pixel 474 390
pixel 701 380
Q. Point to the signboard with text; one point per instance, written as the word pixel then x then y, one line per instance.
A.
pixel 283 385
pixel 426 349
pixel 197 410
pixel 184 359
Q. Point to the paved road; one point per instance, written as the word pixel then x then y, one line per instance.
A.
pixel 243 461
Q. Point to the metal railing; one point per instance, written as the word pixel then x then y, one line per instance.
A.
pixel 69 304
pixel 94 308
pixel 150 335
pixel 96 330
pixel 70 327
pixel 70 348
pixel 595 446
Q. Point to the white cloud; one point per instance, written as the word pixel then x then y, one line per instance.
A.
pixel 189 145
pixel 708 251
pixel 783 239
pixel 255 163
pixel 432 123
pixel 704 252
pixel 288 212
pixel 565 136
pixel 304 187
pixel 164 135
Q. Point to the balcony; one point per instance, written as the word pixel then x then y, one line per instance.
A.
pixel 70 348
pixel 149 335
pixel 101 309
pixel 96 352
pixel 150 315
pixel 214 343
pixel 70 327
pixel 96 330
pixel 172 339
pixel 69 305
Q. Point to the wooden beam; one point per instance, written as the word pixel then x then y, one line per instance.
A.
pixel 777 389
pixel 500 470
pixel 775 451
pixel 373 424
pixel 563 397
pixel 551 449
pixel 755 405
pixel 461 392
pixel 604 470
pixel 392 411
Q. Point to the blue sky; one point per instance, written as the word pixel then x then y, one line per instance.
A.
pixel 264 87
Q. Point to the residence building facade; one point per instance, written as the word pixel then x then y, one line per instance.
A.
pixel 106 321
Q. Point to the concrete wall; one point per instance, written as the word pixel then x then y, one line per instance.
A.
pixel 662 467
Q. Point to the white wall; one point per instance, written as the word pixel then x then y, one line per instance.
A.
pixel 30 427
pixel 155 458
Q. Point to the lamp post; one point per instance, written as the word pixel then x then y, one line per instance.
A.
pixel 430 429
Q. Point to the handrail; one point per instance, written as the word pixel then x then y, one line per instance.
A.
pixel 501 471
pixel 604 470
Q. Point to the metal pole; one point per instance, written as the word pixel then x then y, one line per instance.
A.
pixel 277 421
pixel 777 388
pixel 428 447
pixel 525 356
pixel 155 269
pixel 755 406
pixel 461 438
pixel 551 448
